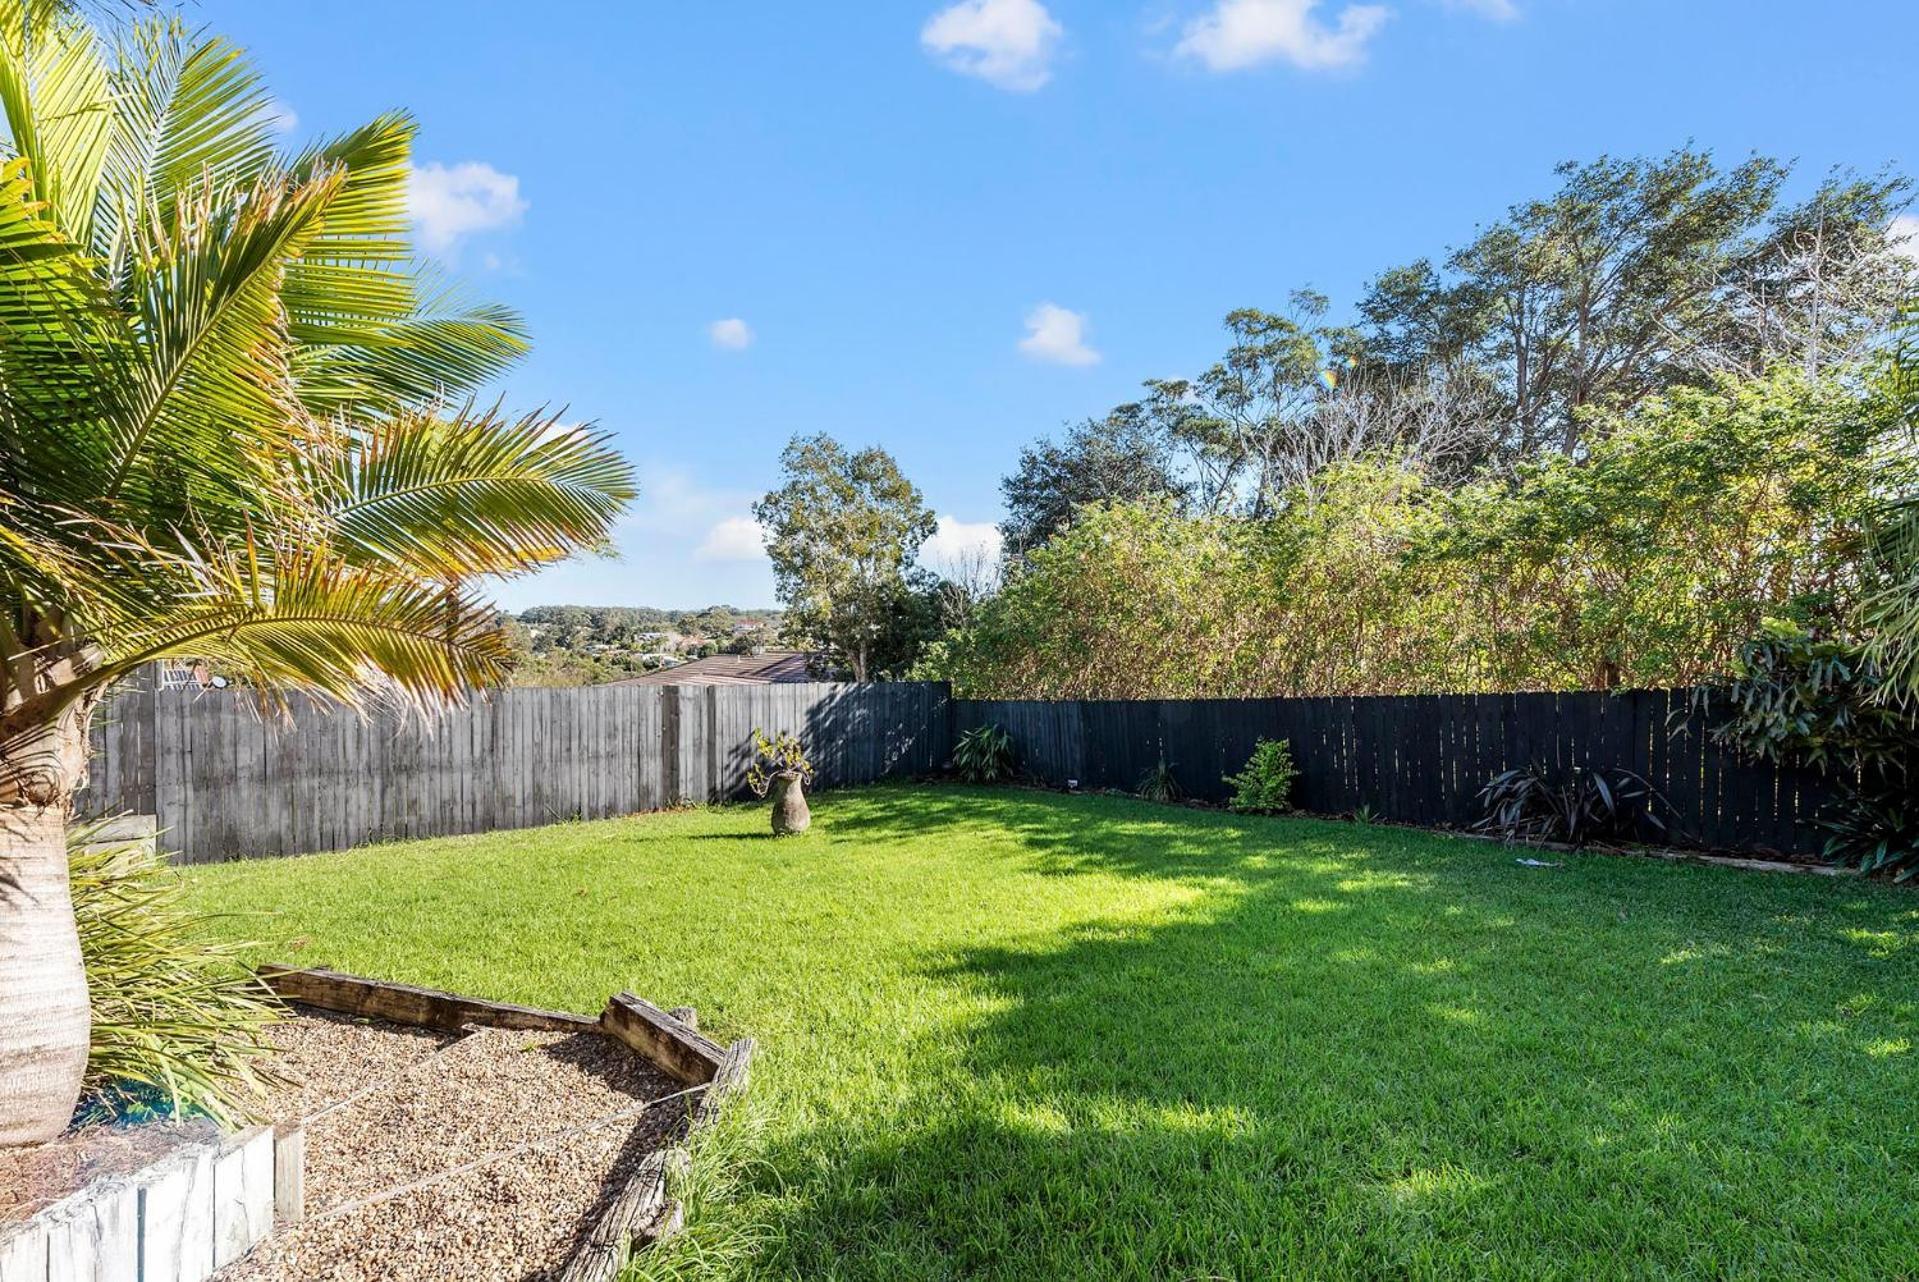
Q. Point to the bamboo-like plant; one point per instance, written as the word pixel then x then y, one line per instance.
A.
pixel 1891 612
pixel 225 433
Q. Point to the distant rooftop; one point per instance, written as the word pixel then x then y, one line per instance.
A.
pixel 769 667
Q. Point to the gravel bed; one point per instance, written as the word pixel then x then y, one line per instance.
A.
pixel 517 1217
pixel 494 1089
pixel 325 1058
pixel 517 1220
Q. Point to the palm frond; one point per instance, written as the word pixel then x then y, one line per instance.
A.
pixel 349 285
pixel 54 328
pixel 440 347
pixel 189 115
pixel 368 223
pixel 291 615
pixel 375 329
pixel 213 365
pixel 445 348
pixel 474 494
pixel 55 91
pixel 212 355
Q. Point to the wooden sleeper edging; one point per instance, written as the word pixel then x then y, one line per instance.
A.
pixel 644 1210
pixel 672 1044
pixel 409 1003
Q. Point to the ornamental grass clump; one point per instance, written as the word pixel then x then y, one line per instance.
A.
pixel 179 1025
pixel 1160 784
pixel 984 754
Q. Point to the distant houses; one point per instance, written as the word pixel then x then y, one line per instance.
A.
pixel 765 667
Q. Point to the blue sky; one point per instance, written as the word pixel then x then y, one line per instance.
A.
pixel 947 229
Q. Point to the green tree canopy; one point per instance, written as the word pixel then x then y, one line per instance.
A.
pixel 842 532
pixel 1638 274
pixel 1634 277
pixel 1690 520
pixel 1123 457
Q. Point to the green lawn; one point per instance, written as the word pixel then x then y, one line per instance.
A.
pixel 1018 1035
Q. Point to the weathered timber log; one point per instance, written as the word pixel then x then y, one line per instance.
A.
pixel 409 1004
pixel 728 1079
pixel 679 1050
pixel 639 1208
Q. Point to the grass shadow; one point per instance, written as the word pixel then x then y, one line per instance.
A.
pixel 1364 1053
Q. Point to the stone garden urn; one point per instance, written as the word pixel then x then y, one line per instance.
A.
pixel 790 814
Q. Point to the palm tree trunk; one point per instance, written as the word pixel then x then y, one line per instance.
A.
pixel 44 1018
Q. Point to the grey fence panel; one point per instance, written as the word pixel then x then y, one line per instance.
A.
pixel 122 761
pixel 226 782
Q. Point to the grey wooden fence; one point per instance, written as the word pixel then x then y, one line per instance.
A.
pixel 224 782
pixel 1422 759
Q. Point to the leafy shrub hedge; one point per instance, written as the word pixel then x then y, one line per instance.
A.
pixel 1824 704
pixel 1265 786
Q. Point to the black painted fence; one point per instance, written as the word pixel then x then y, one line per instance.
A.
pixel 1423 759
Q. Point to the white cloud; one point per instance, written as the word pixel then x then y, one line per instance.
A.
pixel 1904 233
pixel 737 538
pixel 675 504
pixel 1244 33
pixel 1057 336
pixel 733 334
pixel 1497 10
pixel 451 201
pixel 680 518
pixel 280 116
pixel 960 549
pixel 1008 43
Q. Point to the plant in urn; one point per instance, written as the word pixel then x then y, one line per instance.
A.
pixel 780 768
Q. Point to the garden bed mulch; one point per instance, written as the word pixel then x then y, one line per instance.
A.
pixel 36 1177
pixel 480 1153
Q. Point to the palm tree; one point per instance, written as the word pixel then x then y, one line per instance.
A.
pixel 224 433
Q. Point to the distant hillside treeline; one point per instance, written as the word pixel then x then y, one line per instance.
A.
pixel 585 645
